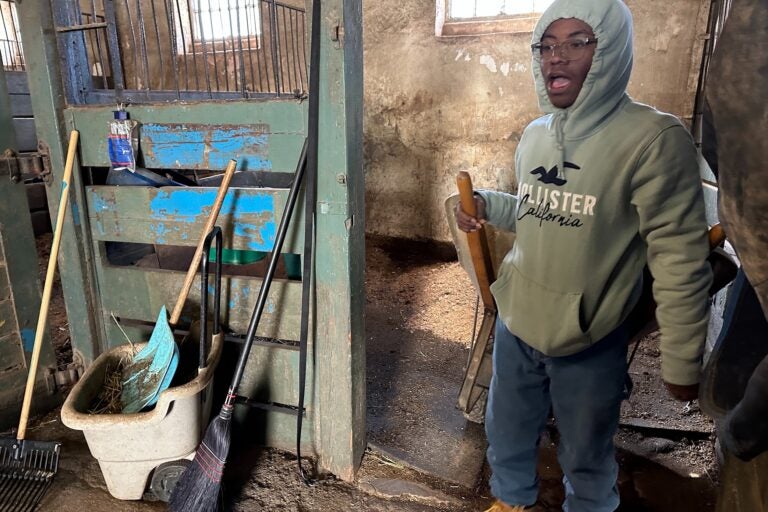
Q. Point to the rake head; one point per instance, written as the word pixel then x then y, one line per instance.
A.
pixel 27 469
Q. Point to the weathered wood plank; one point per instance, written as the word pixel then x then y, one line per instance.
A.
pixel 282 123
pixel 176 216
pixel 11 352
pixel 7 318
pixel 339 331
pixel 17 82
pixel 21 105
pixel 138 294
pixel 205 146
pixel 26 137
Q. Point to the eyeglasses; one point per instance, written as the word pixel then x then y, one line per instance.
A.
pixel 570 49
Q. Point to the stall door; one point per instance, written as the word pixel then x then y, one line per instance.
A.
pixel 208 82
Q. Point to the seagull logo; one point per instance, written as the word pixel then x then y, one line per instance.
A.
pixel 550 176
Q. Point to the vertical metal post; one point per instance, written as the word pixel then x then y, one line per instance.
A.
pixel 114 50
pixel 275 45
pixel 73 49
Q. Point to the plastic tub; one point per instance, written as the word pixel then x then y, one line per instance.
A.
pixel 129 446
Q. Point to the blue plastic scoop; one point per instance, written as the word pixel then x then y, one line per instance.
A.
pixel 151 371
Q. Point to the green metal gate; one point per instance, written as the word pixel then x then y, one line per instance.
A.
pixel 203 96
pixel 19 284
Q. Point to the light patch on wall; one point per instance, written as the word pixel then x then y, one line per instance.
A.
pixel 665 37
pixel 489 62
pixel 520 68
pixel 504 68
pixel 501 91
pixel 462 53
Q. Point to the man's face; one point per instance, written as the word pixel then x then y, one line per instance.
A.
pixel 564 76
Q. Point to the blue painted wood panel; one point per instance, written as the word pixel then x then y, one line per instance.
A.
pixel 176 216
pixel 200 146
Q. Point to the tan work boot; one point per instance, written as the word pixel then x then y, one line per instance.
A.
pixel 500 506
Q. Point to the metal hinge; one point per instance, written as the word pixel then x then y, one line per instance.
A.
pixel 26 165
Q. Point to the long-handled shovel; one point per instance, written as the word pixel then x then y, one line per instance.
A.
pixel 151 370
pixel 27 467
pixel 483 269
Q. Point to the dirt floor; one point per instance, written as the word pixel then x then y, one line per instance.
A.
pixel 420 310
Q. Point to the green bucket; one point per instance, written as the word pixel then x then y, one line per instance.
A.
pixel 237 256
pixel 244 257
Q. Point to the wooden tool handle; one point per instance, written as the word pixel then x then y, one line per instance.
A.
pixel 199 252
pixel 716 236
pixel 42 317
pixel 478 244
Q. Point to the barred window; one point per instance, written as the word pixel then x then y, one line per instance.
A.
pixel 10 41
pixel 216 20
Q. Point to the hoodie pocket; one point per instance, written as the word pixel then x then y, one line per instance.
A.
pixel 546 319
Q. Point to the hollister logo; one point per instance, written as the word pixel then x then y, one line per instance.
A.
pixel 550 177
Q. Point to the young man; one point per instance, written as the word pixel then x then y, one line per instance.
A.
pixel 604 186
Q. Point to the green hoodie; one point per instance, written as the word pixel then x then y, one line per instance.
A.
pixel 604 187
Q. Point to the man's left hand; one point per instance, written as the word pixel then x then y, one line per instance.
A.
pixel 683 393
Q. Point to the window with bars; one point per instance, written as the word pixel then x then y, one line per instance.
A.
pixel 219 19
pixel 147 50
pixel 11 50
pixel 478 17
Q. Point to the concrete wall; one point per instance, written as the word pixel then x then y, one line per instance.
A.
pixel 434 106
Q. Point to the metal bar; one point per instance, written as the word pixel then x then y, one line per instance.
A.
pixel 184 46
pixel 261 50
pixel 74 54
pixel 135 45
pixel 296 38
pixel 143 37
pixel 267 49
pixel 159 46
pixel 213 46
pixel 205 49
pixel 241 60
pixel 250 36
pixel 275 47
pixel 99 50
pixel 303 33
pixel 113 49
pixel 295 15
pixel 81 27
pixel 231 38
pixel 224 46
pixel 283 38
pixel 172 33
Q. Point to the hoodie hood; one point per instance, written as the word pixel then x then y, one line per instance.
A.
pixel 606 83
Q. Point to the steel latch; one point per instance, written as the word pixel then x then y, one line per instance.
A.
pixel 25 165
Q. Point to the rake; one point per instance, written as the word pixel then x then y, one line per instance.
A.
pixel 27 467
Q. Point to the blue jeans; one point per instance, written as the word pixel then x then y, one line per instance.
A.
pixel 584 390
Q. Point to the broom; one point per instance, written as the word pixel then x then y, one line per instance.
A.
pixel 199 487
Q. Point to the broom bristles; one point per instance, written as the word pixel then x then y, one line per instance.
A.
pixel 199 487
